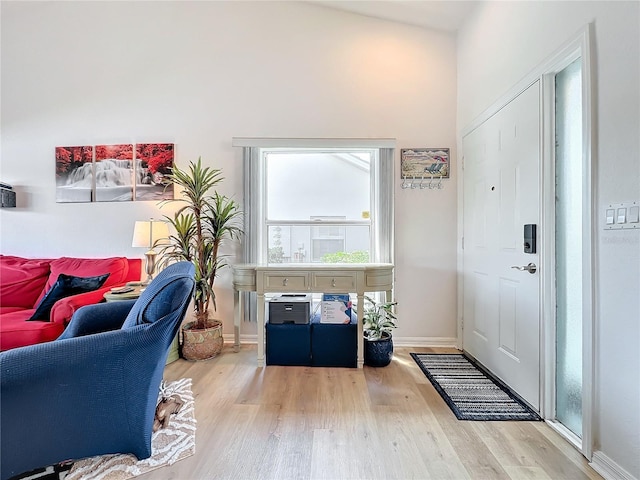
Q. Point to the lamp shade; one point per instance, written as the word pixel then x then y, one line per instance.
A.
pixel 147 233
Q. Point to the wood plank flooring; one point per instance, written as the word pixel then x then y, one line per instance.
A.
pixel 341 423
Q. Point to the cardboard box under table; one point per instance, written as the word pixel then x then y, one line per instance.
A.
pixel 335 308
pixel 334 345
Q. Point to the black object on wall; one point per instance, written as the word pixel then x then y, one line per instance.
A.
pixel 8 196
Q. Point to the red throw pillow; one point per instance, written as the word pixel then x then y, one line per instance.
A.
pixel 22 280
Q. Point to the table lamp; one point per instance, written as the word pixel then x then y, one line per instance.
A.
pixel 147 234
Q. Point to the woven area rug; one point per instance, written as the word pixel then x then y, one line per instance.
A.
pixel 168 445
pixel 471 393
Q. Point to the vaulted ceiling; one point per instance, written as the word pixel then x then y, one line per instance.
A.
pixel 448 15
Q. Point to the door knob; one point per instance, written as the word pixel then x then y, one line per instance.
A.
pixel 531 268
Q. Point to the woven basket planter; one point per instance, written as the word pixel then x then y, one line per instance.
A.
pixel 202 343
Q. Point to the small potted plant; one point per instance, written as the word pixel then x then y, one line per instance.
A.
pixel 379 321
pixel 203 222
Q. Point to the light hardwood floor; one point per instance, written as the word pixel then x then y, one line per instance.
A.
pixel 342 423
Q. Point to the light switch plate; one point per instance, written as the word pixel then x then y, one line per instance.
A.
pixel 623 215
pixel 611 216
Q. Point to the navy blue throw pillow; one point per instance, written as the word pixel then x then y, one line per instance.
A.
pixel 65 286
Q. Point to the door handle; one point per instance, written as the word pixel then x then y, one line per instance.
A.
pixel 531 268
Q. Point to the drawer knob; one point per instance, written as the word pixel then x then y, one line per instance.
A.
pixel 333 282
pixel 284 282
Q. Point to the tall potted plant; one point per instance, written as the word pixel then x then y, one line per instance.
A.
pixel 201 224
pixel 379 321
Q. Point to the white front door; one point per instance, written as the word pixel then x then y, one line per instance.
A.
pixel 501 317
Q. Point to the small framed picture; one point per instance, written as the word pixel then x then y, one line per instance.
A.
pixel 424 163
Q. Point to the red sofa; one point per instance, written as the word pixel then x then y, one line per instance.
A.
pixel 25 281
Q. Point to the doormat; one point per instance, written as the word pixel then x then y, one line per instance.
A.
pixel 471 392
pixel 168 445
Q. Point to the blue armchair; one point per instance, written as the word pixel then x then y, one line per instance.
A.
pixel 91 393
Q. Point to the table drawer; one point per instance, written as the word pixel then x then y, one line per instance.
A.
pixel 244 280
pixel 345 282
pixel 289 281
pixel 379 280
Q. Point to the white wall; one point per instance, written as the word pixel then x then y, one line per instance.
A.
pixel 499 46
pixel 199 73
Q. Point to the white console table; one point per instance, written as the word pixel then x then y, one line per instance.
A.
pixel 302 278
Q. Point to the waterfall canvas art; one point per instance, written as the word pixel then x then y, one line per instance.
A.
pixel 74 174
pixel 114 173
pixel 153 162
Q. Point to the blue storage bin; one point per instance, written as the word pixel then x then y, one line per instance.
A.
pixel 334 345
pixel 288 344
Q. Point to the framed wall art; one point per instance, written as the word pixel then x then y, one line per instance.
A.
pixel 416 163
pixel 114 173
pixel 153 162
pixel 74 174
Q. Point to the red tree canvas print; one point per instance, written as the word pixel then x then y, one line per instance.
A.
pixel 74 174
pixel 114 173
pixel 153 162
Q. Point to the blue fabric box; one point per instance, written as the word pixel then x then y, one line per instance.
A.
pixel 288 344
pixel 334 345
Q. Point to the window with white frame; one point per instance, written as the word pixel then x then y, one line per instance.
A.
pixel 317 205
pixel 318 201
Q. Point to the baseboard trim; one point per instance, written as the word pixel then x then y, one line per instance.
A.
pixel 425 341
pixel 609 469
pixel 248 339
pixel 398 341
